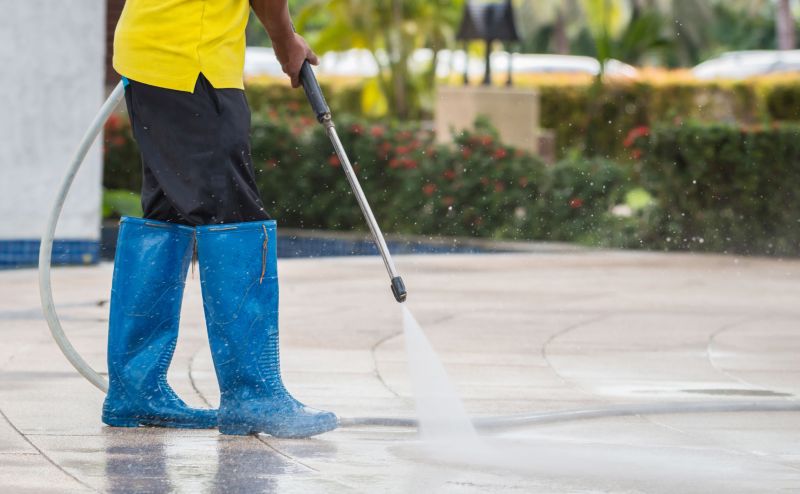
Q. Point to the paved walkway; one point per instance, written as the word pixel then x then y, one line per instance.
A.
pixel 517 333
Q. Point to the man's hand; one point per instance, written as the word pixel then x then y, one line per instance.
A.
pixel 291 53
pixel 290 48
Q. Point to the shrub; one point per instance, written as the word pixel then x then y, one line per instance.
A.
pixel 724 188
pixel 119 203
pixel 478 187
pixel 578 197
pixel 783 101
pixel 593 119
pixel 121 161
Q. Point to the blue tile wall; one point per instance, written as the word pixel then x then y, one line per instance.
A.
pixel 21 253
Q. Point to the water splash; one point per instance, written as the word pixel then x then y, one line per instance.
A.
pixel 441 414
pixel 555 460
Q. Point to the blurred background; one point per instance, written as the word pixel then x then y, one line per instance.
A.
pixel 648 124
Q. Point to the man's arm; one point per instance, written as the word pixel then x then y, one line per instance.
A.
pixel 290 48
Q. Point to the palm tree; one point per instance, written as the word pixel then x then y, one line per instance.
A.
pixel 391 30
pixel 556 20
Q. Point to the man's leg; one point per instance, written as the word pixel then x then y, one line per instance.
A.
pixel 239 277
pixel 147 288
pixel 197 167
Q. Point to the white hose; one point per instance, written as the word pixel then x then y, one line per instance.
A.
pixel 46 248
pixel 485 423
pixel 530 419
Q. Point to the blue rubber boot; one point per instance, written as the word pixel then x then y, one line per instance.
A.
pixel 147 289
pixel 239 278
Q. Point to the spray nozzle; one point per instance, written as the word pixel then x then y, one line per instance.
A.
pixel 399 289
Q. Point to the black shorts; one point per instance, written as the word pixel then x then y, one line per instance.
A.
pixel 195 147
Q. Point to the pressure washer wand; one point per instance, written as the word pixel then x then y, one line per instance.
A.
pixel 323 114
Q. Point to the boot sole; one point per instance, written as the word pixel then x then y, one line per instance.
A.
pixel 245 430
pixel 139 422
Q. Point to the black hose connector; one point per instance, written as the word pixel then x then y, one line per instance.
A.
pixel 399 289
pixel 314 93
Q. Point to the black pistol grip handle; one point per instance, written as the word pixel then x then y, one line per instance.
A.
pixel 314 93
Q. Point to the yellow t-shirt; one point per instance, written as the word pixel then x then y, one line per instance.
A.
pixel 168 43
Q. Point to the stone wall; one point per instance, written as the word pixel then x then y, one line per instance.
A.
pixel 513 112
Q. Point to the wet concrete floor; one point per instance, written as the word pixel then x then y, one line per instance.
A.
pixel 517 332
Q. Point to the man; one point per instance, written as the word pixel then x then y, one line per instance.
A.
pixel 182 64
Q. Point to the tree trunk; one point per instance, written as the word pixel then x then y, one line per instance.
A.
pixel 398 61
pixel 560 34
pixel 487 75
pixel 784 23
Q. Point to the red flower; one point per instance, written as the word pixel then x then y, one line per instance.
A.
pixel 272 163
pixel 500 153
pixel 499 186
pixel 484 181
pixel 409 164
pixel 635 133
pixel 334 160
pixel 523 181
pixel 404 134
pixel 449 174
pixel 448 200
pixel 113 122
pixel 394 163
pixel 575 202
pixel 385 147
pixel 403 149
pixel 377 131
pixel 636 154
pixel 356 129
pixel 293 106
pixel 466 153
pixel 482 140
pixel 429 189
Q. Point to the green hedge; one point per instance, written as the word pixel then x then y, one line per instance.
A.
pixel 724 188
pixel 474 187
pixel 594 119
pixel 714 187
pixel 121 162
pixel 783 101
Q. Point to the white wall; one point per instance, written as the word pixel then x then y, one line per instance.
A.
pixel 51 85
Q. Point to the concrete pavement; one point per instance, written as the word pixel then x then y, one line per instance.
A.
pixel 517 333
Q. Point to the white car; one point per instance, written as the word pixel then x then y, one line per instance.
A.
pixel 742 64
pixel 522 63
pixel 361 63
pixel 261 61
